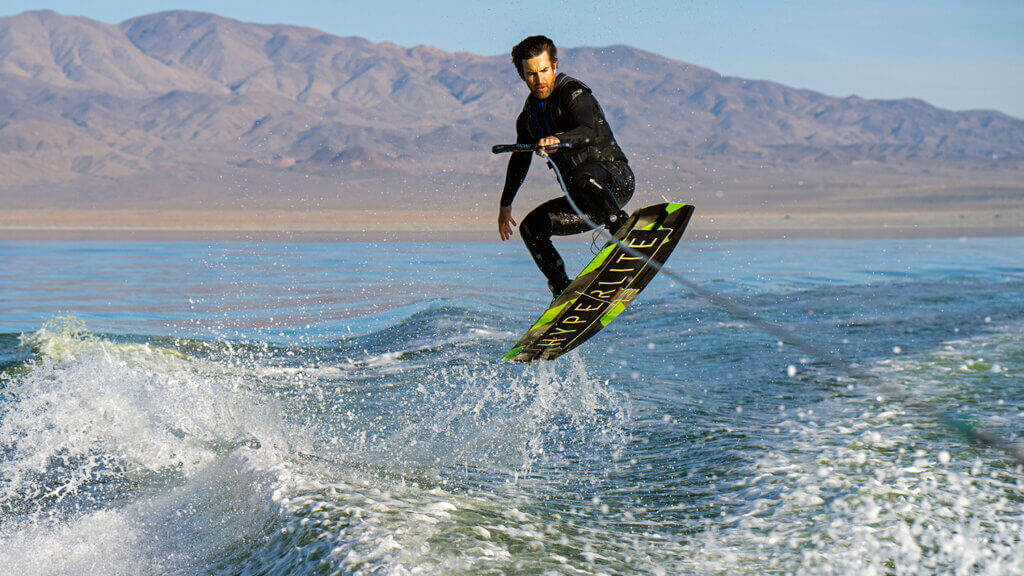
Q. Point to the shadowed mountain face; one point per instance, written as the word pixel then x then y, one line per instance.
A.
pixel 184 109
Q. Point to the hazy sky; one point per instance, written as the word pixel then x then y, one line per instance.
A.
pixel 957 54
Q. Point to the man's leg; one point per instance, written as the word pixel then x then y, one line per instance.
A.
pixel 600 189
pixel 552 218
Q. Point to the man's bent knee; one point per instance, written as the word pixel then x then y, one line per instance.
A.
pixel 533 227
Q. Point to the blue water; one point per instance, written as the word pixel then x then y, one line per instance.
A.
pixel 248 408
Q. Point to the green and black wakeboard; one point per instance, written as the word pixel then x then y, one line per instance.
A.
pixel 607 285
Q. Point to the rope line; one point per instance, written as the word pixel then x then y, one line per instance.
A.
pixel 954 420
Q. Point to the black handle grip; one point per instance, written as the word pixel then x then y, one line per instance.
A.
pixel 501 148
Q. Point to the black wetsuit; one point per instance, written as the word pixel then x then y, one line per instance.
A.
pixel 595 170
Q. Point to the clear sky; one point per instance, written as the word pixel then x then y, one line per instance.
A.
pixel 956 54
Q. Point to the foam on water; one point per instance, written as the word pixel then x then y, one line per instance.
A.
pixel 101 438
pixel 501 416
pixel 860 487
pixel 129 458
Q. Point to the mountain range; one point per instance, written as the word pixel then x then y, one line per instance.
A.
pixel 187 110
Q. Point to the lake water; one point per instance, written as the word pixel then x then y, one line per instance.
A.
pixel 341 408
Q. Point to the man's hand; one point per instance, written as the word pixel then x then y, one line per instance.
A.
pixel 548 141
pixel 505 222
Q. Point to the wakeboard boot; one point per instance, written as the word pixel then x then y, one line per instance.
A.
pixel 558 287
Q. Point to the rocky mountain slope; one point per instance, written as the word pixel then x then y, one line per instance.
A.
pixel 184 109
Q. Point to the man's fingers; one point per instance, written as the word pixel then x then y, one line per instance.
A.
pixel 505 223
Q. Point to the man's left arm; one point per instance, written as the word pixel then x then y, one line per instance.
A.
pixel 581 107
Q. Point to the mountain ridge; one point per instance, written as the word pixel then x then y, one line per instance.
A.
pixel 183 98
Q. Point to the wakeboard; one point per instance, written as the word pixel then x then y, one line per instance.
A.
pixel 607 284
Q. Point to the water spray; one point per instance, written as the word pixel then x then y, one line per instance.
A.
pixel 952 419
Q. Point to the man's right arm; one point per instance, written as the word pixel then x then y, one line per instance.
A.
pixel 514 176
pixel 518 164
pixel 515 173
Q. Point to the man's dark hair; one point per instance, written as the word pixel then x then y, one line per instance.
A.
pixel 531 47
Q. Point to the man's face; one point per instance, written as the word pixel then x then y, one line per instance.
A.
pixel 539 75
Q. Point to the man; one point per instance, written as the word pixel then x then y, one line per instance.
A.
pixel 596 172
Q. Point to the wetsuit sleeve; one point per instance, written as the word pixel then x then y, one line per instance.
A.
pixel 518 165
pixel 581 107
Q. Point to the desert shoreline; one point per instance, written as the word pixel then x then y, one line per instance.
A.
pixel 473 225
